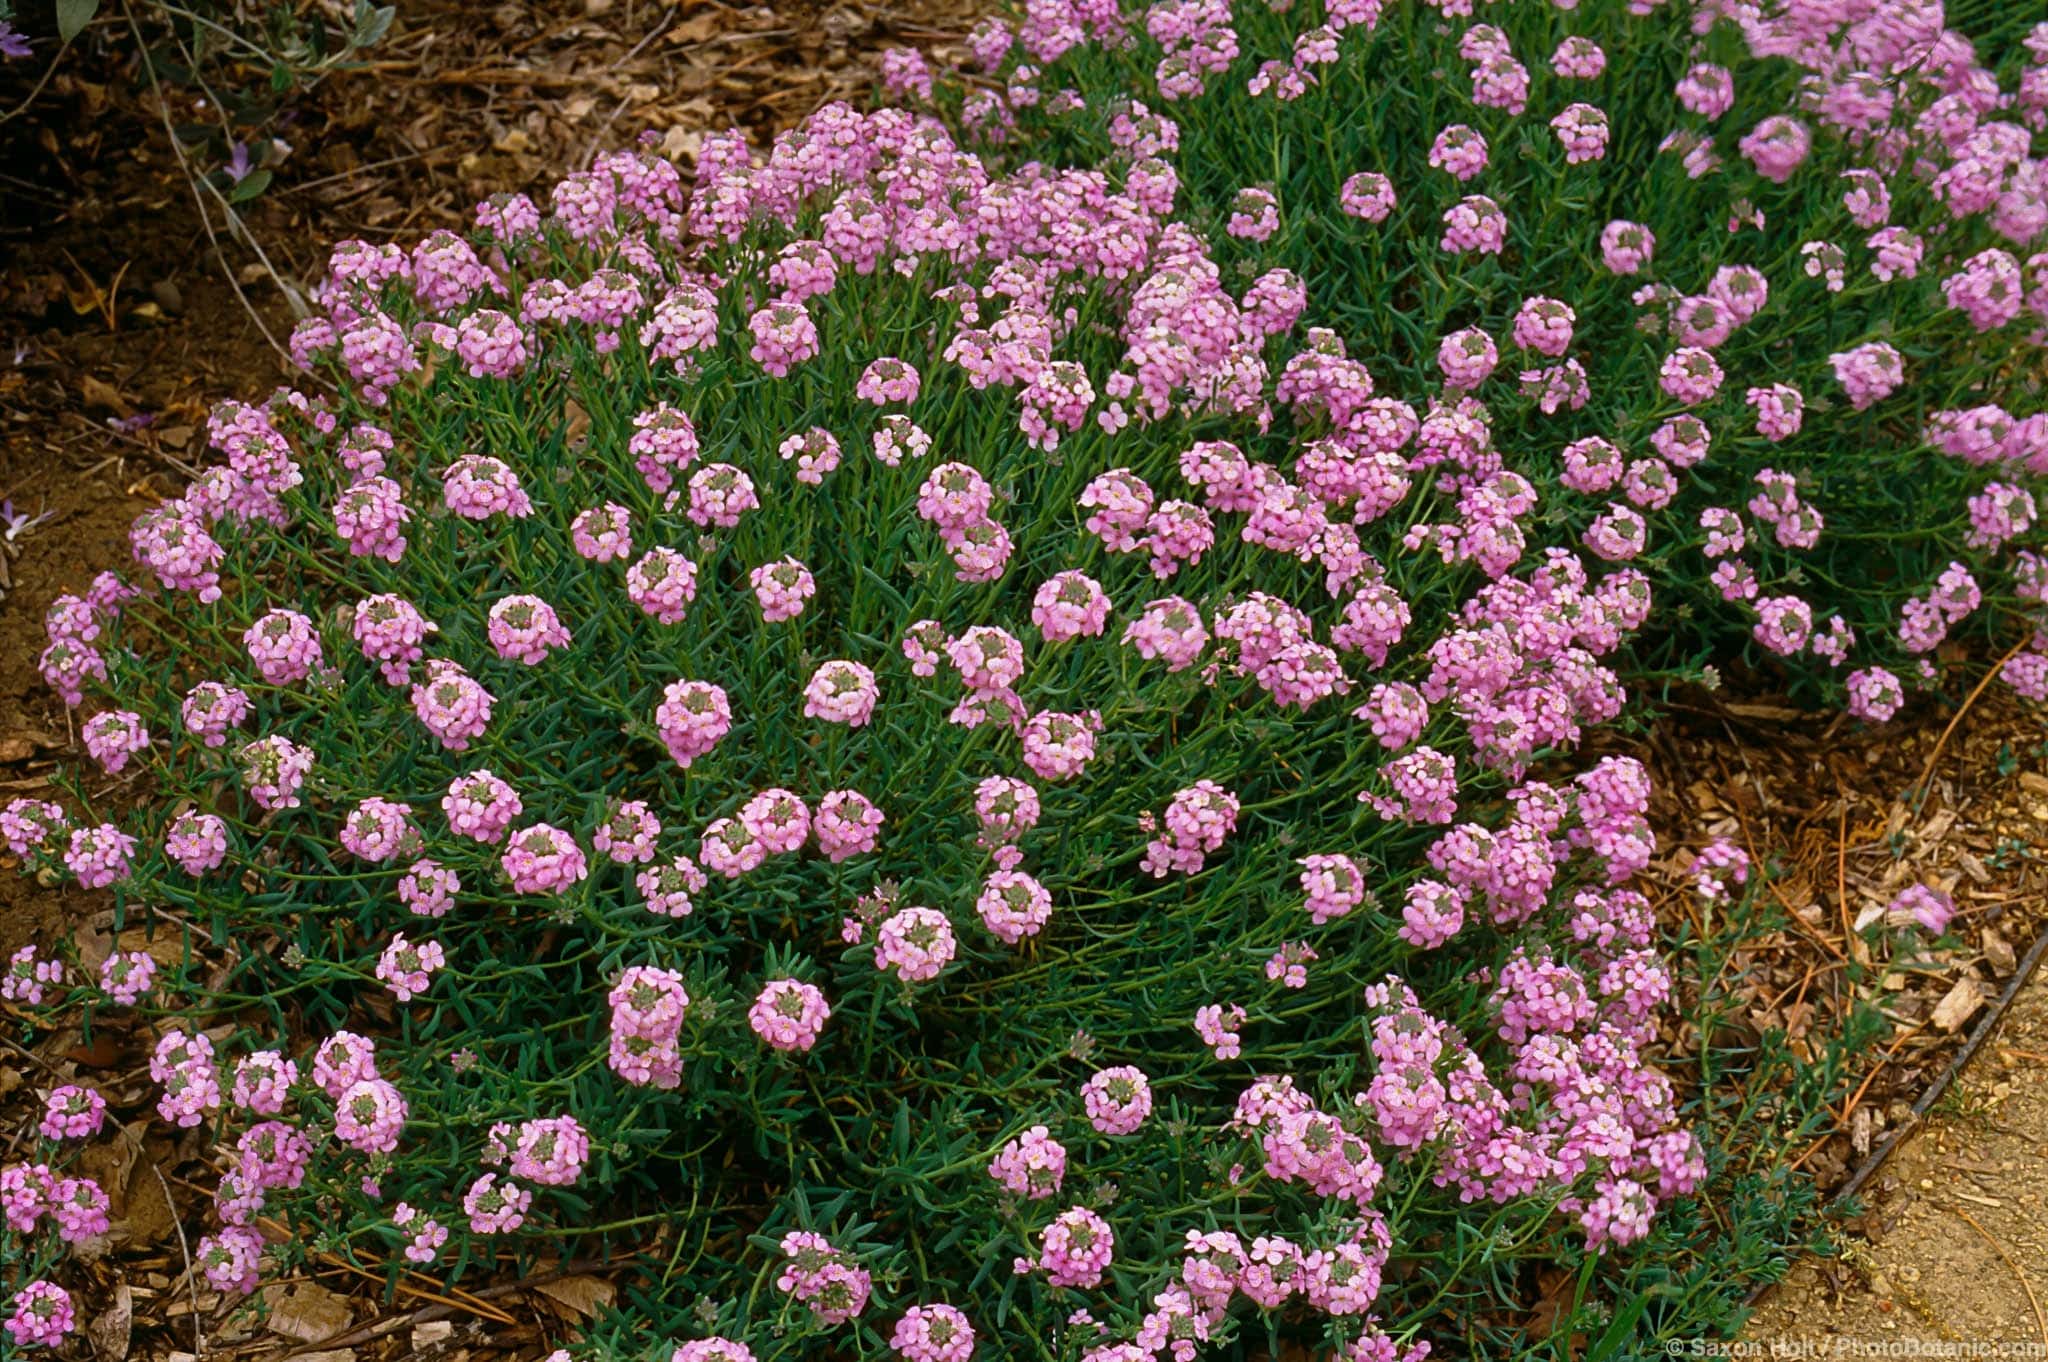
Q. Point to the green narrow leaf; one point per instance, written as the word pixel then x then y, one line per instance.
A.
pixel 73 16
pixel 375 25
pixel 249 186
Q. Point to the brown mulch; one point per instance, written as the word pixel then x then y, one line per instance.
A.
pixel 1952 796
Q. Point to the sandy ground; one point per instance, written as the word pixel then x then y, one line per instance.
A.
pixel 1950 1258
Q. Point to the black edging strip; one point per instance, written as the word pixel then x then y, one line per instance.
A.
pixel 1978 1036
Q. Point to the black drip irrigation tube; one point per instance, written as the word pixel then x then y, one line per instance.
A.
pixel 1978 1035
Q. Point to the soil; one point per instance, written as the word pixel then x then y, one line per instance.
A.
pixel 1952 1247
pixel 123 323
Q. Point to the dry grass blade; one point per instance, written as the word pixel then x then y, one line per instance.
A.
pixel 1919 787
pixel 2040 1320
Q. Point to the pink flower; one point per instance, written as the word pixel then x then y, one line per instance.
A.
pixel 649 1006
pixel 495 1207
pixel 933 1333
pixel 407 968
pixel 1459 151
pixel 114 736
pixel 1626 247
pixel 1031 1165
pixel 784 337
pixel 1930 908
pixel 842 692
pixel 72 1112
pixel 1059 747
pixel 525 627
pixel 1777 146
pixel 480 806
pixel 719 495
pixel 1013 906
pixel 1218 1026
pixel 43 1317
pixel 916 943
pixel 100 856
pixel 691 719
pixel 1117 1100
pixel 369 1115
pixel 887 382
pixel 1582 130
pixel 782 587
pixel 1690 374
pixel 1254 215
pixel 662 583
pixel 827 1279
pixel 668 888
pixel 477 487
pixel 390 631
pixel 542 859
pixel 789 1014
pixel 1475 225
pixel 284 646
pixel 816 453
pixel 1069 606
pixel 1467 358
pixel 452 704
pixel 1367 196
pixel 210 710
pixel 1076 1248
pixel 231 1259
pixel 125 976
pixel 1197 821
pixel 1332 885
pixel 847 823
pixel 1869 373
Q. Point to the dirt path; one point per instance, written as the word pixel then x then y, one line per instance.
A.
pixel 1950 1258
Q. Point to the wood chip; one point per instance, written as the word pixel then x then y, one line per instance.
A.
pixel 1960 1004
pixel 111 1329
pixel 431 1335
pixel 1998 952
pixel 308 1312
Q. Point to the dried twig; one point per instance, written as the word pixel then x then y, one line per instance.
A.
pixel 191 1279
pixel 1918 788
pixel 192 182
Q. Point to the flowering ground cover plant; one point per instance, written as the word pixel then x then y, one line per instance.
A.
pixel 974 715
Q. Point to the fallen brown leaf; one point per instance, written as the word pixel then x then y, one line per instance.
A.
pixel 581 1297
pixel 111 1328
pixel 1959 1005
pixel 308 1312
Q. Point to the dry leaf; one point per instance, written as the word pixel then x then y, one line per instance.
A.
pixel 166 947
pixel 575 424
pixel 102 396
pixel 111 1328
pixel 580 1297
pixel 431 1335
pixel 1998 951
pixel 1960 1005
pixel 308 1312
pixel 21 746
